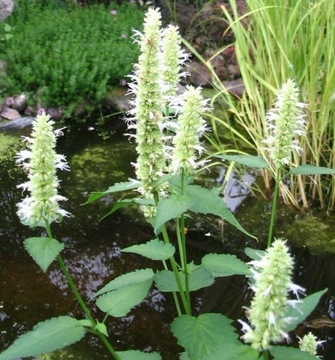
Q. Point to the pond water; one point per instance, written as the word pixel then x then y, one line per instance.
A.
pixel 93 253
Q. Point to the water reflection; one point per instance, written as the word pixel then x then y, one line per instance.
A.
pixel 93 252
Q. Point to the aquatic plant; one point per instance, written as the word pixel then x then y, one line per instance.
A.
pixel 166 184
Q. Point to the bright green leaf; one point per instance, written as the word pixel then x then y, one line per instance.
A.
pixel 232 351
pixel 224 265
pixel 254 254
pixel 171 208
pixel 198 279
pixel 300 312
pixel 153 249
pixel 311 170
pixel 138 355
pixel 199 336
pixel 285 353
pixel 119 302
pixel 134 277
pixel 247 160
pixel 206 201
pixel 102 328
pixel 46 336
pixel 43 250
pixel 118 187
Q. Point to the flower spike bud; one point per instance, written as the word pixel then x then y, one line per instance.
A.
pixel 272 282
pixel 41 208
pixel 310 343
pixel 189 129
pixel 286 122
pixel 173 59
pixel 146 112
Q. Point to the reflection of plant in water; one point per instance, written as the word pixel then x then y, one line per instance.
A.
pixel 168 156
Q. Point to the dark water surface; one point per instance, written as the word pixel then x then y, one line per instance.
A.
pixel 93 254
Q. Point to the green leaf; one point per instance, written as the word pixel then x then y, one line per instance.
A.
pixel 119 302
pixel 198 279
pixel 206 201
pixel 171 208
pixel 102 328
pixel 118 187
pixel 254 254
pixel 247 160
pixel 285 353
pixel 311 170
pixel 43 250
pixel 153 249
pixel 232 351
pixel 300 312
pixel 45 337
pixel 199 336
pixel 224 265
pixel 134 277
pixel 138 355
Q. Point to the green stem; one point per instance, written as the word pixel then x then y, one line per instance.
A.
pixel 274 207
pixel 80 299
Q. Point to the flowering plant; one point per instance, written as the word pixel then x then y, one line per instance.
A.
pixel 169 152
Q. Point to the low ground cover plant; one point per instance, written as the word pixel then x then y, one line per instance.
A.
pixel 167 130
pixel 61 57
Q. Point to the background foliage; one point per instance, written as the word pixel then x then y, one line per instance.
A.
pixel 61 56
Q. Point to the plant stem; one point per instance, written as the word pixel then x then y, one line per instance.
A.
pixel 274 207
pixel 80 299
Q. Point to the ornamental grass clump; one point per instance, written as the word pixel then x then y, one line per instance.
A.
pixel 41 207
pixel 272 276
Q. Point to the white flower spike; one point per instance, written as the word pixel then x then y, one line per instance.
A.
pixel 41 208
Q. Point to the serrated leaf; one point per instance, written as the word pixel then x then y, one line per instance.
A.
pixel 285 353
pixel 153 249
pixel 43 250
pixel 311 170
pixel 300 312
pixel 198 279
pixel 254 254
pixel 133 277
pixel 200 335
pixel 46 336
pixel 119 302
pixel 171 208
pixel 224 265
pixel 118 187
pixel 247 160
pixel 232 351
pixel 206 201
pixel 138 355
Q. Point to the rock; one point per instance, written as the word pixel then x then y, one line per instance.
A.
pixel 199 75
pixel 20 102
pixel 29 111
pixel 19 123
pixel 118 100
pixel 236 87
pixel 9 114
pixel 233 71
pixel 6 8
pixel 55 114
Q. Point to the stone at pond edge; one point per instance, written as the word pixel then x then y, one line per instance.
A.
pixel 6 8
pixel 9 114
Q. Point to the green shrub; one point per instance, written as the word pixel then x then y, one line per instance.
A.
pixel 60 58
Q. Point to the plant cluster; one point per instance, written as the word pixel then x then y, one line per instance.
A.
pixel 275 41
pixel 168 132
pixel 60 57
